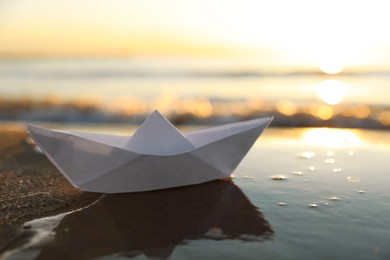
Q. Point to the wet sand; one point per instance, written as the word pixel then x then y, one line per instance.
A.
pixel 30 187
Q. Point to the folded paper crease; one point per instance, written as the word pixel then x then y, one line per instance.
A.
pixel 157 156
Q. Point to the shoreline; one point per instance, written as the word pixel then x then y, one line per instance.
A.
pixel 30 186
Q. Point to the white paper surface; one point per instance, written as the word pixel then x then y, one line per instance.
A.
pixel 157 156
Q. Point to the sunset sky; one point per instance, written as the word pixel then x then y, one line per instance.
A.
pixel 328 34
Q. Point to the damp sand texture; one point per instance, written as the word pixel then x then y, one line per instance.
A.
pixel 31 186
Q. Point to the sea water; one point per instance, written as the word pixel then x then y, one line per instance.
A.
pixel 145 79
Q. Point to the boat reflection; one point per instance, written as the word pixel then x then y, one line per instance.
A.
pixel 153 223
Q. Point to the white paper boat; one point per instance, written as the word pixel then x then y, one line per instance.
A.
pixel 157 156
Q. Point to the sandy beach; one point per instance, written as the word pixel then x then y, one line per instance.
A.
pixel 31 187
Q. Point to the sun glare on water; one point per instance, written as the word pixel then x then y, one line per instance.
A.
pixel 335 138
pixel 331 92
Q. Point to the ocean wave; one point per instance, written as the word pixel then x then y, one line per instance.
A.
pixel 198 111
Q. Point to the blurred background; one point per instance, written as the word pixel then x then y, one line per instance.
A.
pixel 308 63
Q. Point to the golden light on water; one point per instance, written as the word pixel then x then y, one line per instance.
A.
pixel 331 137
pixel 325 112
pixel 286 107
pixel 331 92
pixel 202 109
pixel 166 102
pixel 128 105
pixel 362 111
pixel 384 118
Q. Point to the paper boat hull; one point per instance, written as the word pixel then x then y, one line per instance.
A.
pixel 98 167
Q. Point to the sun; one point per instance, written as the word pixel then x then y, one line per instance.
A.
pixel 332 66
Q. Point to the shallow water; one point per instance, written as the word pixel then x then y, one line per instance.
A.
pixel 298 194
